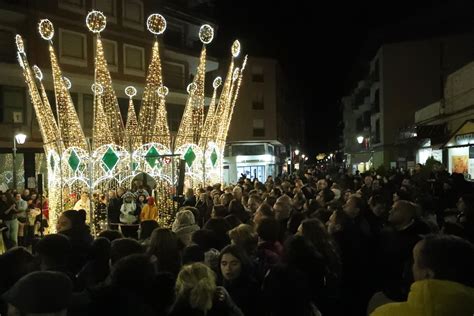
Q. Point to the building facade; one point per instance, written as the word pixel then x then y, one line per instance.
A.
pixel 127 47
pixel 379 112
pixel 263 125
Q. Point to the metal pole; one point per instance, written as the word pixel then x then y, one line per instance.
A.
pixel 14 165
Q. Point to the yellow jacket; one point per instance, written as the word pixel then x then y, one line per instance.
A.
pixel 148 212
pixel 433 298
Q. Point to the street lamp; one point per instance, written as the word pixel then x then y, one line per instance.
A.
pixel 360 139
pixel 297 152
pixel 303 155
pixel 19 138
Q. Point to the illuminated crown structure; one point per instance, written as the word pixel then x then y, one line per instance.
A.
pixel 117 153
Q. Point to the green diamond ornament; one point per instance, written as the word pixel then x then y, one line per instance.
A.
pixel 74 161
pixel 214 157
pixel 134 166
pixel 110 159
pixel 152 157
pixel 189 157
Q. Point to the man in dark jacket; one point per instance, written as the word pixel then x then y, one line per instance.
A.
pixel 113 209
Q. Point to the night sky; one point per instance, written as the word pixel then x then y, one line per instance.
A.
pixel 342 36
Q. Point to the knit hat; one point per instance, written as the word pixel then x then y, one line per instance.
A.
pixel 128 195
pixel 40 292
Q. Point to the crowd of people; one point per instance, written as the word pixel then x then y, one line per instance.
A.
pixel 322 242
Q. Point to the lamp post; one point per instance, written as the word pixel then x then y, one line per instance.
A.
pixel 19 138
pixel 360 139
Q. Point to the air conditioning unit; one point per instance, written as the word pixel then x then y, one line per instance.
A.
pixel 17 117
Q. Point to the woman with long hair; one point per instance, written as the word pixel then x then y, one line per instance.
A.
pixel 197 294
pixel 165 249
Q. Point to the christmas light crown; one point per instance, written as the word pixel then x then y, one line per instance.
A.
pixel 118 153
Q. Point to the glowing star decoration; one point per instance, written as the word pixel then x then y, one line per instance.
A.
pixel 191 87
pixel 206 33
pixel 163 91
pixel 217 82
pixel 46 29
pixel 67 83
pixel 156 24
pixel 97 88
pixel 19 44
pixel 96 21
pixel 235 76
pixel 38 72
pixel 235 48
pixel 130 91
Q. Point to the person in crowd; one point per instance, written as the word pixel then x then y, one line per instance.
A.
pixel 9 217
pixel 129 215
pixel 236 275
pixel 219 211
pixel 123 247
pixel 377 216
pixel 40 293
pixel 197 294
pixel 246 238
pixel 282 212
pixel 192 254
pixel 72 225
pixel 189 198
pixel 54 253
pixel 396 244
pixel 111 235
pixel 269 249
pixel 220 227
pixel 113 209
pixel 84 203
pixel 149 211
pixel 444 279
pixel 184 226
pixel 300 276
pixel 22 217
pixel 165 249
pixel 142 200
pixel 96 269
pixel 225 199
pixel 254 203
pixel 264 211
pixel 146 229
pixel 207 240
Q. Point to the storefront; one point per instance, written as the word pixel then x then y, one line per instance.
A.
pixel 426 151
pixel 460 151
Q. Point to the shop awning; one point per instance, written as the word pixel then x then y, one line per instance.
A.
pixel 357 158
pixel 463 136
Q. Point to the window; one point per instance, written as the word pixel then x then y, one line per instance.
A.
pixel 257 73
pixel 13 104
pixel 87 111
pixel 78 6
pixel 257 102
pixel 377 131
pixel 72 48
pixel 132 14
pixel 248 150
pixel 134 60
pixel 377 101
pixel 174 75
pixel 110 53
pixel 258 128
pixel 108 7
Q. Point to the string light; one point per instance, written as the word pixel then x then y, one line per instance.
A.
pixel 235 48
pixel 38 72
pixel 46 29
pixel 130 91
pixel 67 83
pixel 96 21
pixel 119 152
pixel 206 34
pixel 156 24
pixel 19 44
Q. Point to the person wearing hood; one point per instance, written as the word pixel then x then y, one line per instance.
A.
pixel 149 210
pixel 444 279
pixel 184 226
pixel 129 215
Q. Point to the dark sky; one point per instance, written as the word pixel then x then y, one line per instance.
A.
pixel 321 45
